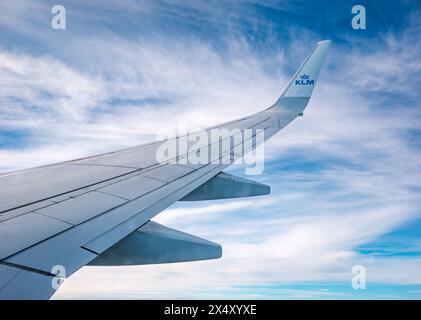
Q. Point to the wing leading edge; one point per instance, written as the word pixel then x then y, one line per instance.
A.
pixel 98 209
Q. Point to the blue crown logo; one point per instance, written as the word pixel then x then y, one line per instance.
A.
pixel 305 76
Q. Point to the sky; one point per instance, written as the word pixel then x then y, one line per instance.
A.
pixel 345 177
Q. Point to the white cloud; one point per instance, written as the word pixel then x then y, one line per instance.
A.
pixel 136 89
pixel 309 229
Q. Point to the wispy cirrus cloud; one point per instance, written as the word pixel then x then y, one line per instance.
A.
pixel 170 79
pixel 342 176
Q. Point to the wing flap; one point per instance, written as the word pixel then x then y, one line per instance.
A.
pixel 82 208
pixel 158 202
pixel 21 284
pixel 23 231
pixel 132 188
pixel 80 244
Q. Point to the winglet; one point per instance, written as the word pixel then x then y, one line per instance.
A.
pixel 304 80
pixel 296 95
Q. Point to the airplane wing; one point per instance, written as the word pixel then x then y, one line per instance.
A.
pixel 58 218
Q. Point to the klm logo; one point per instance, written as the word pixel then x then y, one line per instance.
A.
pixel 304 81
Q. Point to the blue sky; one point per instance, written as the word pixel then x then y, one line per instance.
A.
pixel 345 177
